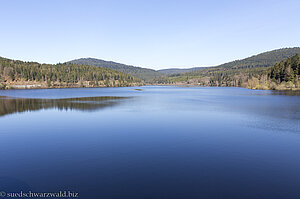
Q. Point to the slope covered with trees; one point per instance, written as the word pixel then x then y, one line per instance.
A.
pixel 16 74
pixel 170 71
pixel 282 76
pixel 278 69
pixel 265 59
pixel 287 72
pixel 141 73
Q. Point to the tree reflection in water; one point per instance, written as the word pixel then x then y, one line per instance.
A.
pixel 10 105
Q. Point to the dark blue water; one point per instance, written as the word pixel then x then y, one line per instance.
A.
pixel 161 142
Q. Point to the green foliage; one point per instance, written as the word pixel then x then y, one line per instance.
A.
pixel 171 71
pixel 67 73
pixel 255 72
pixel 266 59
pixel 287 70
pixel 141 73
pixel 219 76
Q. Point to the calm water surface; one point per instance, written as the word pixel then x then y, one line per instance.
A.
pixel 161 142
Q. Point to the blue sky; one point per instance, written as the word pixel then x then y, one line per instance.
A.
pixel 155 33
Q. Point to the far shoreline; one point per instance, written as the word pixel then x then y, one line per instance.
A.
pixel 24 87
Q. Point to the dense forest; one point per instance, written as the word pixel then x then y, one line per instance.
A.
pixel 142 73
pixel 265 59
pixel 19 74
pixel 218 77
pixel 287 72
pixel 253 72
pixel 282 76
pixel 170 71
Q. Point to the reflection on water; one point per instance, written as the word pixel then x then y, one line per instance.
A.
pixel 287 92
pixel 16 105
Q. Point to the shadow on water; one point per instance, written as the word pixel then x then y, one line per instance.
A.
pixel 10 105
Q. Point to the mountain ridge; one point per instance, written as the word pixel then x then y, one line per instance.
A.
pixel 265 59
pixel 145 74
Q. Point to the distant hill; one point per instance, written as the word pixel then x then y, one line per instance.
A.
pixel 170 71
pixel 265 59
pixel 253 72
pixel 141 73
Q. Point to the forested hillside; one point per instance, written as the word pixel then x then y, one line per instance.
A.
pixel 287 72
pixel 218 75
pixel 253 72
pixel 19 74
pixel 265 59
pixel 141 73
pixel 281 76
pixel 171 71
pixel 278 69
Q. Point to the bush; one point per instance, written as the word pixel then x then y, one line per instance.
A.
pixel 2 86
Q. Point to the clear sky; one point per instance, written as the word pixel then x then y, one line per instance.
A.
pixel 149 33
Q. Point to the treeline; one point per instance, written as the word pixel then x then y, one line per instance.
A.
pixel 61 75
pixel 287 70
pixel 219 77
pixel 284 75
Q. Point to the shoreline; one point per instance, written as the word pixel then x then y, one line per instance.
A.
pixel 194 85
pixel 33 87
pixel 43 86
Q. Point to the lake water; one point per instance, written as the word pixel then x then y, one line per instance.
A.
pixel 160 142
